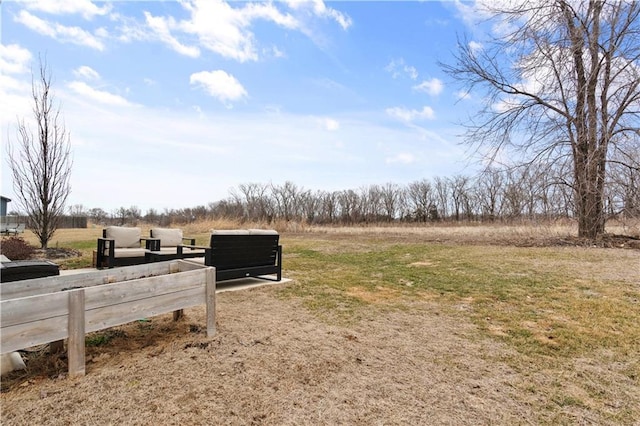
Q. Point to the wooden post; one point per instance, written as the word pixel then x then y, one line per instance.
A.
pixel 75 344
pixel 211 301
pixel 174 267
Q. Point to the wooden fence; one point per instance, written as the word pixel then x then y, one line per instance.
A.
pixel 50 309
pixel 65 221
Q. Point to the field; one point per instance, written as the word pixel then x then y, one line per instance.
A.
pixel 379 325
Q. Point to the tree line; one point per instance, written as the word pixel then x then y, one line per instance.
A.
pixel 494 195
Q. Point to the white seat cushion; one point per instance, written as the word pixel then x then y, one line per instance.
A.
pixel 169 237
pixel 129 252
pixel 193 251
pixel 124 237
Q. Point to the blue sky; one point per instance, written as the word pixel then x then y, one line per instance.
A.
pixel 172 104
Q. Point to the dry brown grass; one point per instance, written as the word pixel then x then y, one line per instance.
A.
pixel 379 326
pixel 272 362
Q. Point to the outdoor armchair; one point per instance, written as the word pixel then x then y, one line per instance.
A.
pixel 169 243
pixel 122 246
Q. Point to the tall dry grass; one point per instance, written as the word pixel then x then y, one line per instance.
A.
pixel 522 233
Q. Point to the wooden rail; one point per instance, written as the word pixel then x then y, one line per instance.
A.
pixel 67 307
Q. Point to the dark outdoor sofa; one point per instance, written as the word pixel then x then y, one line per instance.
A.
pixel 244 253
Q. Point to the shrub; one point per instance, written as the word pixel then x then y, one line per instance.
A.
pixel 15 248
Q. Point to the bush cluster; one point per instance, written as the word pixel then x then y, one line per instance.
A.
pixel 16 248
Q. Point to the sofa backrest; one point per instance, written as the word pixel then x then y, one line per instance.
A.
pixel 124 237
pixel 240 248
pixel 169 237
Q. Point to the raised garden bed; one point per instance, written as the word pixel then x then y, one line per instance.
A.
pixel 44 310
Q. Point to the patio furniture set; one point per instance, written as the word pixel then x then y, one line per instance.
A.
pixel 237 253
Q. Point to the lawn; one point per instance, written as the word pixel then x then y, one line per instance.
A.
pixel 378 325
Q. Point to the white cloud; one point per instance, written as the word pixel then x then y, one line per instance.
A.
pixel 473 13
pixel 409 115
pixel 15 90
pixel 162 28
pixel 402 158
pixel 61 33
pixel 273 52
pixel 86 73
pixel 463 94
pixel 219 27
pixel 330 124
pixel 397 68
pixel 320 9
pixel 432 87
pixel 14 59
pixel 475 46
pixel 225 30
pixel 58 7
pixel 219 84
pixel 100 96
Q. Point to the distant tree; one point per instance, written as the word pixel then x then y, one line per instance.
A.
pixel 41 163
pixel 420 197
pixel 77 210
pixel 152 216
pixel 98 215
pixel 391 197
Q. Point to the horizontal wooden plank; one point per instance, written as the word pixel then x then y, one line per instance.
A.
pixel 24 288
pixel 129 291
pixel 184 265
pixel 33 308
pixel 38 332
pixel 34 333
pixel 110 316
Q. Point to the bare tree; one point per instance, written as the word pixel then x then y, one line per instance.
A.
pixel 460 195
pixel 489 190
pixel 443 194
pixel 41 162
pixel 563 86
pixel 420 197
pixel 391 195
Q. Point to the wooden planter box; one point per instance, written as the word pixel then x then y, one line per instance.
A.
pixel 44 310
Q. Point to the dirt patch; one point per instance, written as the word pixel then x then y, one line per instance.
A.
pixel 272 362
pixel 56 253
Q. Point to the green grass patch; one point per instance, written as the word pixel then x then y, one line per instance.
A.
pixel 534 299
pixel 103 337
